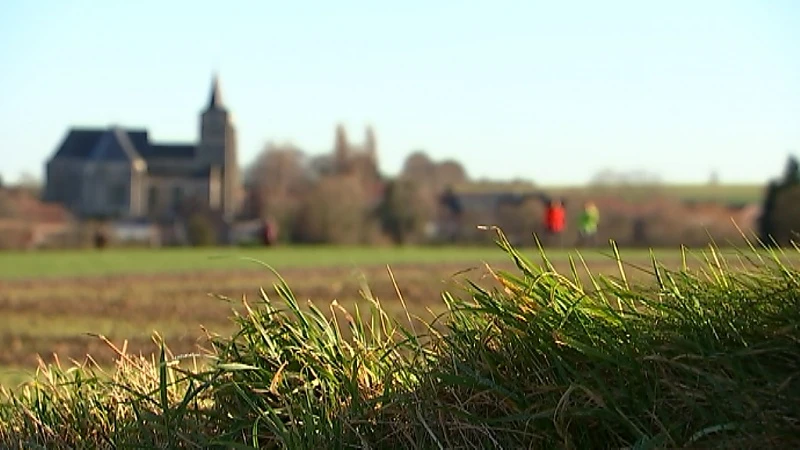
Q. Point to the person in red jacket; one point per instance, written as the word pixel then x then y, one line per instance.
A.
pixel 555 217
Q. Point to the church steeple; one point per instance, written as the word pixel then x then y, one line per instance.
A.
pixel 215 101
pixel 216 150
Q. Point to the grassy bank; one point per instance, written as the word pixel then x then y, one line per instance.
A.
pixel 694 357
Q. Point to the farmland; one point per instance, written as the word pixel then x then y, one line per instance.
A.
pixel 78 263
pixel 54 301
pixel 721 193
pixel 706 337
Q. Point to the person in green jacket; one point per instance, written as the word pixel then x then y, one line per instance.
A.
pixel 589 220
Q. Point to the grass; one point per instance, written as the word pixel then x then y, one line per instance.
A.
pixel 40 265
pixel 533 357
pixel 39 316
pixel 17 265
pixel 724 193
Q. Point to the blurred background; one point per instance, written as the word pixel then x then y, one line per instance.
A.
pixel 191 122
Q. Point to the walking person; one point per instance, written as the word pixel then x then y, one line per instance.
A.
pixel 269 232
pixel 100 239
pixel 589 220
pixel 555 220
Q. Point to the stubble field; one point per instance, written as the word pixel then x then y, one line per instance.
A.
pixel 60 302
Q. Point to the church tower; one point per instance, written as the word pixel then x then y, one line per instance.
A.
pixel 217 150
pixel 370 144
pixel 341 150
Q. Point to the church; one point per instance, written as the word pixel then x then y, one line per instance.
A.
pixel 119 173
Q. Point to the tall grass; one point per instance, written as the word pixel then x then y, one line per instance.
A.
pixel 533 359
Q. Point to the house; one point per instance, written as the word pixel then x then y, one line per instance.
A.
pixel 134 232
pixel 470 208
pixel 120 173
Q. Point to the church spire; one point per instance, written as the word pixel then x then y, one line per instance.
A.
pixel 370 146
pixel 215 102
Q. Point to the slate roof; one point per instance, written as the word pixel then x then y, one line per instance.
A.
pixel 89 143
pixel 78 143
pixel 140 139
pixel 114 145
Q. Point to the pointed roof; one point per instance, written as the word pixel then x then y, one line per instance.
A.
pixel 215 101
pixel 114 144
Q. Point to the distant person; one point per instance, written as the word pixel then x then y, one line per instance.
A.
pixel 100 240
pixel 270 233
pixel 29 237
pixel 555 218
pixel 640 231
pixel 589 220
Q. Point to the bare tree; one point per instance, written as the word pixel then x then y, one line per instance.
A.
pixel 30 183
pixel 334 212
pixel 419 167
pixel 341 149
pixel 406 209
pixel 7 207
pixel 277 180
pixel 449 173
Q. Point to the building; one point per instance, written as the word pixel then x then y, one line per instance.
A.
pixel 118 173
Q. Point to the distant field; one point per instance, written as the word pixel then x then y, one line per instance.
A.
pixel 49 264
pixel 16 265
pixel 724 193
pixel 52 301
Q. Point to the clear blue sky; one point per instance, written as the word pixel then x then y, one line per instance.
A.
pixel 550 91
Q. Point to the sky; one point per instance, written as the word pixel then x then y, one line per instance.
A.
pixel 553 92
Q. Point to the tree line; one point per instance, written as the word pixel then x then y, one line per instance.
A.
pixel 323 199
pixel 779 222
pixel 342 198
pixel 312 202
